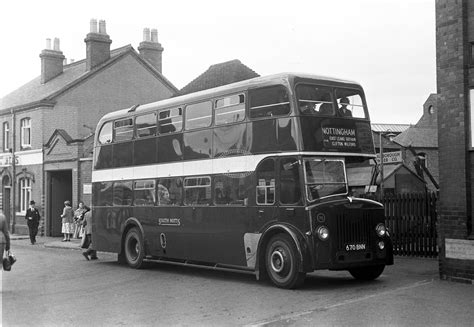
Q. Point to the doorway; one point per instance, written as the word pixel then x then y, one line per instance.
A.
pixel 60 190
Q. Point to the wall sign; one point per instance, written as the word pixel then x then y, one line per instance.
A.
pixel 87 188
pixel 459 249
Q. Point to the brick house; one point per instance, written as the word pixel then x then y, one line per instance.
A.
pixel 455 89
pixel 48 123
pixel 420 145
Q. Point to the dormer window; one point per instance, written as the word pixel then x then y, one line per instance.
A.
pixel 25 133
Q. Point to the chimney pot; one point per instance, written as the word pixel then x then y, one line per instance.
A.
pixel 48 44
pixel 97 45
pixel 93 25
pixel 146 34
pixel 154 35
pixel 102 27
pixel 56 44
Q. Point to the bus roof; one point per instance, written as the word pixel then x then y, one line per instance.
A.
pixel 242 85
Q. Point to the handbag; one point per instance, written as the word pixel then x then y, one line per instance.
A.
pixel 8 261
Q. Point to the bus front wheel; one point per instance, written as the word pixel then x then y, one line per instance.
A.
pixel 134 248
pixel 367 273
pixel 282 262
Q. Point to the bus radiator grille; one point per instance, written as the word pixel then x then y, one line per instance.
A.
pixel 354 227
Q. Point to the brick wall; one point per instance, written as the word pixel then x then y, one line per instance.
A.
pixel 455 172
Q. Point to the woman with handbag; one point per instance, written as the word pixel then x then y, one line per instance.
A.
pixel 4 235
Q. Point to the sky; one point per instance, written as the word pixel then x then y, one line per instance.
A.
pixel 388 46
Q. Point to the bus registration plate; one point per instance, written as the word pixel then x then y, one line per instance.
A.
pixel 355 247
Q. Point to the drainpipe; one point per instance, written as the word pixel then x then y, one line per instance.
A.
pixel 13 195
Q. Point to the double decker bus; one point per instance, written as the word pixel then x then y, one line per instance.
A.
pixel 250 176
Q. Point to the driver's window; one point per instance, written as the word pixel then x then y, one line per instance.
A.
pixel 266 182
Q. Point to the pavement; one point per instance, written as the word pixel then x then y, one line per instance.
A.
pixel 48 241
pixel 417 297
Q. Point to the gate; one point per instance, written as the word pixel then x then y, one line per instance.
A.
pixel 411 219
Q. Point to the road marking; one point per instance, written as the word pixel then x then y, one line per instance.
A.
pixel 332 306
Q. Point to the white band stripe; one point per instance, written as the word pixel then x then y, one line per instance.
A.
pixel 227 165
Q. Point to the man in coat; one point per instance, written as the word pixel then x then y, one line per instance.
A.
pixel 87 223
pixel 32 219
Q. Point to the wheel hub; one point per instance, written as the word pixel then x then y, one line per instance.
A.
pixel 277 261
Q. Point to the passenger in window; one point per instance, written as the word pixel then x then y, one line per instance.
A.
pixel 307 107
pixel 343 111
pixel 163 195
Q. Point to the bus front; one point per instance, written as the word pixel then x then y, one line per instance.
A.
pixel 346 232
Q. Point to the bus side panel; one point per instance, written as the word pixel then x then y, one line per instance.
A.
pixel 106 228
pixel 230 140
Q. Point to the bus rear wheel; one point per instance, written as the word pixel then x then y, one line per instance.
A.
pixel 367 273
pixel 282 262
pixel 134 248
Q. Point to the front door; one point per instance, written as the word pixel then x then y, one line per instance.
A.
pixel 60 190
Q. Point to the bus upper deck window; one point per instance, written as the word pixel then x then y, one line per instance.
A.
pixel 105 134
pixel 170 120
pixel 230 109
pixel 315 100
pixel 350 103
pixel 145 125
pixel 269 102
pixel 198 115
pixel 123 129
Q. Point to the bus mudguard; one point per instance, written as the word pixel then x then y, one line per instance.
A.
pixel 298 238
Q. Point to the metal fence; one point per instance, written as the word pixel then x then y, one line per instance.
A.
pixel 411 219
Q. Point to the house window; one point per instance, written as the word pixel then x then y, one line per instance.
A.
pixel 25 193
pixel 6 136
pixel 25 133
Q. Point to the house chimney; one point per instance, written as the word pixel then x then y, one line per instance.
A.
pixel 97 45
pixel 150 49
pixel 51 61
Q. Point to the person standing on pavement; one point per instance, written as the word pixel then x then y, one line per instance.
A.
pixel 67 221
pixel 32 220
pixel 78 218
pixel 88 234
pixel 4 235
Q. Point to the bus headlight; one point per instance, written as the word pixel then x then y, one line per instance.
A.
pixel 381 245
pixel 323 233
pixel 381 230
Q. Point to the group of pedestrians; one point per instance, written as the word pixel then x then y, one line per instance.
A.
pixel 78 223
pixel 75 224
